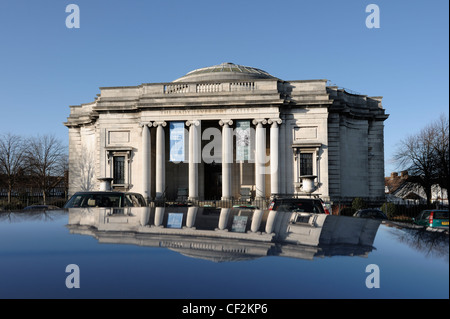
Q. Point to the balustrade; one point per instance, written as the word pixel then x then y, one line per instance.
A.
pixel 176 88
pixel 242 86
pixel 209 87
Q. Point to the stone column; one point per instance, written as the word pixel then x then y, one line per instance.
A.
pixel 223 218
pixel 227 157
pixel 146 162
pixel 260 159
pixel 159 216
pixel 145 216
pixel 160 160
pixel 256 220
pixel 194 158
pixel 270 223
pixel 274 157
pixel 191 215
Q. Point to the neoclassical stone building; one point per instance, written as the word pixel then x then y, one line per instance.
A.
pixel 228 132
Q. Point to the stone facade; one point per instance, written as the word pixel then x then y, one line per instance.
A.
pixel 297 128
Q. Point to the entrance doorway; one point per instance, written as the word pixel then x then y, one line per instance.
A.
pixel 213 181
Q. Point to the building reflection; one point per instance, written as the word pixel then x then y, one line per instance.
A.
pixel 227 234
pixel 216 234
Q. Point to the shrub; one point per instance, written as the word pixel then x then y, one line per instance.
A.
pixel 390 209
pixel 358 203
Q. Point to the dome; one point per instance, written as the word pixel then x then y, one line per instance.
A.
pixel 223 72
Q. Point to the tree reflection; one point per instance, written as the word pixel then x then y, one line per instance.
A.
pixel 433 244
pixel 32 215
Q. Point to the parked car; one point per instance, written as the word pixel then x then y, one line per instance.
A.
pixel 309 205
pixel 432 218
pixel 41 207
pixel 105 199
pixel 370 213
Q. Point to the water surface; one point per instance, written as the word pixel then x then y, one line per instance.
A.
pixel 35 249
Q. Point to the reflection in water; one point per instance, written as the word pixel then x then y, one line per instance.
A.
pixel 432 244
pixel 227 234
pixel 32 215
pixel 36 248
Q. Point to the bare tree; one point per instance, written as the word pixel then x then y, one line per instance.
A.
pixel 46 159
pixel 85 168
pixel 12 157
pixel 440 134
pixel 425 156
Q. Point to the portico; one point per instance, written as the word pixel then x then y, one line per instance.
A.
pixel 224 155
pixel 229 132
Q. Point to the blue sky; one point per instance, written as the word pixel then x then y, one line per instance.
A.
pixel 45 67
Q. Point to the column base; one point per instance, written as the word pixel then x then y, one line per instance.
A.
pixel 148 200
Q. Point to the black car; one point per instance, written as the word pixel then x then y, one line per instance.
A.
pixel 370 213
pixel 299 205
pixel 105 199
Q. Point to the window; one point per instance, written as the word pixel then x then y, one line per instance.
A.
pixel 93 199
pixel 119 165
pixel 440 214
pixel 306 164
pixel 307 158
pixel 119 170
pixel 426 215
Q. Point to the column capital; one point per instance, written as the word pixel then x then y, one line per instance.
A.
pixel 259 121
pixel 189 123
pixel 275 121
pixel 143 124
pixel 157 123
pixel 225 122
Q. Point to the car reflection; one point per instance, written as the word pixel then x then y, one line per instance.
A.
pixel 228 234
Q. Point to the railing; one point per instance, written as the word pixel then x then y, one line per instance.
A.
pixel 208 87
pixel 242 86
pixel 176 88
pixel 406 213
pixel 21 201
pixel 229 203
